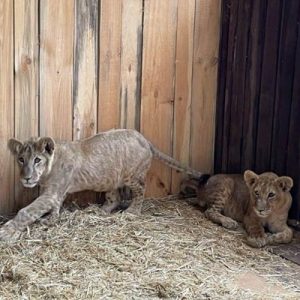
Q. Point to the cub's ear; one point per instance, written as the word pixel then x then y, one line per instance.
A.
pixel 285 183
pixel 14 146
pixel 46 144
pixel 250 177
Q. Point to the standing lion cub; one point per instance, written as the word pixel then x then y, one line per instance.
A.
pixel 103 163
pixel 258 201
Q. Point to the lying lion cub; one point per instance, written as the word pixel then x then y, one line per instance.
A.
pixel 256 200
pixel 104 162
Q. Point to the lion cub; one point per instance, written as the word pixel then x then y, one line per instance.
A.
pixel 258 201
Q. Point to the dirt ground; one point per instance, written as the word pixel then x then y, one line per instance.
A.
pixel 170 251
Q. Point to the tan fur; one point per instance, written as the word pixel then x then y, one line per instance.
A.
pixel 258 201
pixel 105 162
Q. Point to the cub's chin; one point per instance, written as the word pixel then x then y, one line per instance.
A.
pixel 29 184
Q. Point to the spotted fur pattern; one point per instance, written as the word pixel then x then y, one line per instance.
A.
pixel 104 162
pixel 258 201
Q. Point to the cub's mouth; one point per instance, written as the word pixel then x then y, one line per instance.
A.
pixel 262 214
pixel 29 184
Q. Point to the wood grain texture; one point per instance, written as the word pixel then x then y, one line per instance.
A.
pixel 110 64
pixel 7 201
pixel 183 87
pixel 229 81
pixel 85 69
pixel 254 54
pixel 293 155
pixel 238 87
pixel 204 89
pixel 85 78
pixel 220 108
pixel 131 63
pixel 267 83
pixel 160 19
pixel 284 84
pixel 26 63
pixel 56 68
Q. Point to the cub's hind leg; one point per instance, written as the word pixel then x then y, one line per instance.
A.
pixel 217 195
pixel 138 191
pixel 112 201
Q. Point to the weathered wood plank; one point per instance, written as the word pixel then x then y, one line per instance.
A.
pixel 268 86
pixel 232 40
pixel 293 151
pixel 238 87
pixel 56 68
pixel 7 202
pixel 85 68
pixel 183 86
pixel 131 63
pixel 85 77
pixel 204 89
pixel 220 109
pixel 252 83
pixel 26 83
pixel 157 85
pixel 284 85
pixel 110 64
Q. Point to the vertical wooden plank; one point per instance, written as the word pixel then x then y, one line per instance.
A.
pixel 268 86
pixel 238 88
pixel 85 68
pixel 6 106
pixel 293 155
pixel 220 109
pixel 109 64
pixel 285 73
pixel 85 77
pixel 26 83
pixel 252 83
pixel 204 90
pixel 183 86
pixel 131 63
pixel 160 18
pixel 56 68
pixel 232 40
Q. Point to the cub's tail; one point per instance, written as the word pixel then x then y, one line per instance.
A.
pixel 193 187
pixel 173 163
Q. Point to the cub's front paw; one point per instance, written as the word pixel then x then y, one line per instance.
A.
pixel 256 242
pixel 9 232
pixel 230 224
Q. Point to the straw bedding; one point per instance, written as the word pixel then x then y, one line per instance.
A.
pixel 170 251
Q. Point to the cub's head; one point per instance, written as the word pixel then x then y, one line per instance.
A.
pixel 268 190
pixel 34 157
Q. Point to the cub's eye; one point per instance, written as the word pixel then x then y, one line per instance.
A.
pixel 37 160
pixel 256 193
pixel 21 160
pixel 271 195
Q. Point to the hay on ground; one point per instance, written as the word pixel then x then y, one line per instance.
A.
pixel 170 251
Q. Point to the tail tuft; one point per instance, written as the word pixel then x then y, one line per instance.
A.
pixel 203 179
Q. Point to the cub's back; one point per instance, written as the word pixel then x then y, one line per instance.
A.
pixel 118 146
pixel 232 193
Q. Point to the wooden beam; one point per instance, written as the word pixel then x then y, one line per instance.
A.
pixel 7 202
pixel 26 54
pixel 159 44
pixel 56 68
pixel 204 90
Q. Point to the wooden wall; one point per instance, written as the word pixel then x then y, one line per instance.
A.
pixel 71 68
pixel 258 104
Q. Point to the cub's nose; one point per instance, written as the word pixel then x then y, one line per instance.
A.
pixel 27 178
